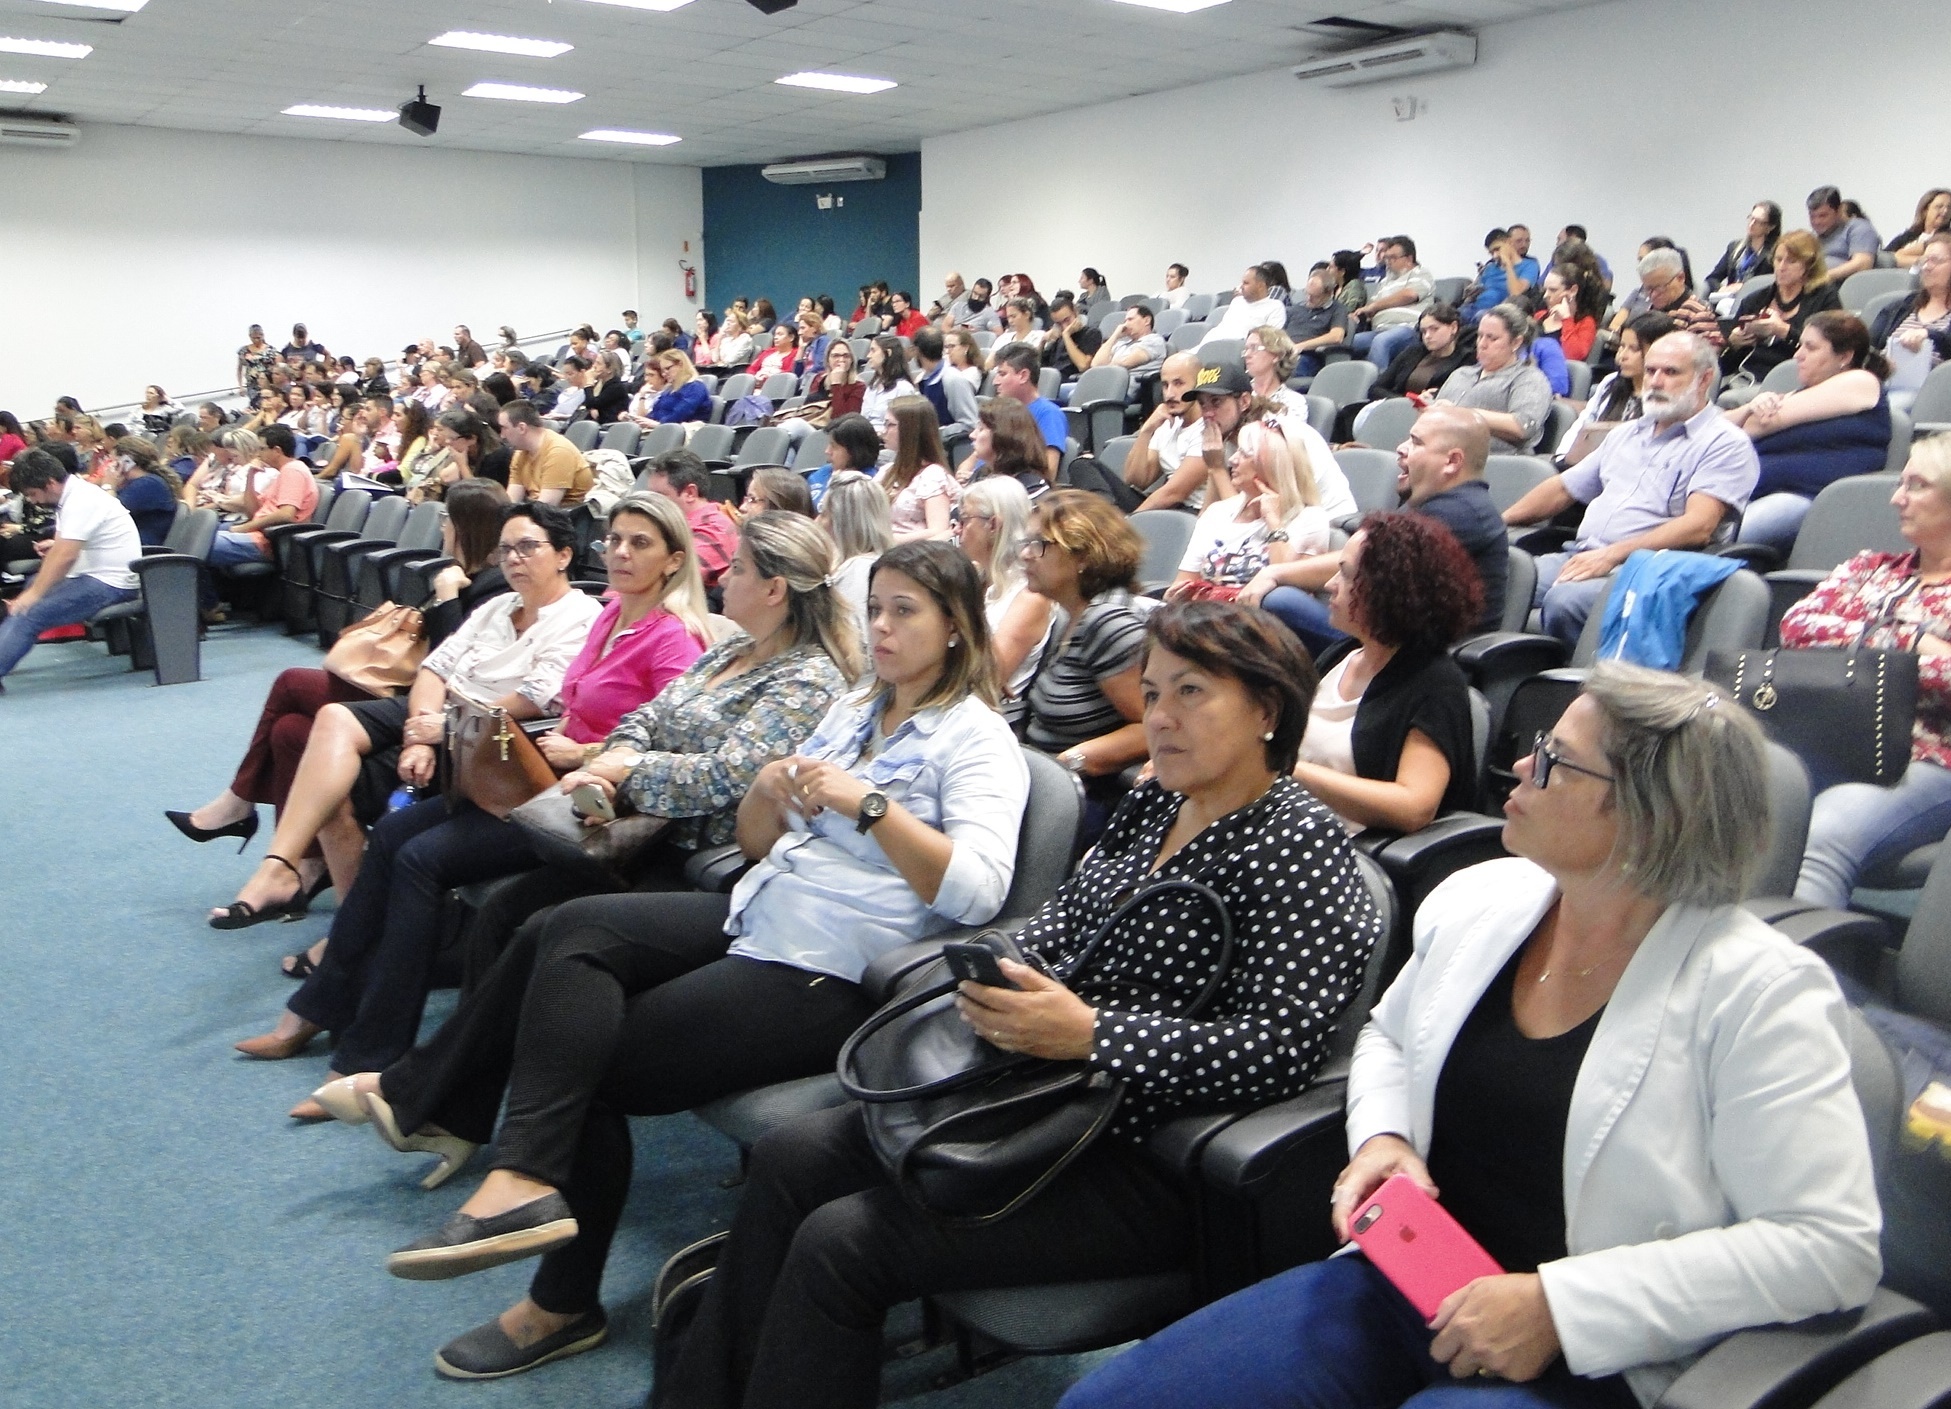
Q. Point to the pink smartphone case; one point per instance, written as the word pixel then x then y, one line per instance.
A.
pixel 1415 1243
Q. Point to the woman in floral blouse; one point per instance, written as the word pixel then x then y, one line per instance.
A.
pixel 1889 601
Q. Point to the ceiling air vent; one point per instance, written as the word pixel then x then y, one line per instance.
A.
pixel 822 171
pixel 1395 58
pixel 37 132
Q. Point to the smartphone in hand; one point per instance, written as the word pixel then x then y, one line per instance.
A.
pixel 975 963
pixel 1413 1241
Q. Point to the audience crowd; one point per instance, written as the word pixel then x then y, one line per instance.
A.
pixel 826 678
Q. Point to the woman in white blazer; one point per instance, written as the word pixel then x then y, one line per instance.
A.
pixel 1649 1124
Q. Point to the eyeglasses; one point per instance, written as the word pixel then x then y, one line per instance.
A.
pixel 510 552
pixel 1544 759
pixel 1033 547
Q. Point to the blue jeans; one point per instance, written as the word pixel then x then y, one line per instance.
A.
pixel 1856 825
pixel 1304 614
pixel 1774 519
pixel 1563 610
pixel 1328 1335
pixel 73 599
pixel 1389 342
pixel 229 549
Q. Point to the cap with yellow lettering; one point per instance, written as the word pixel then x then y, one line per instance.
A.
pixel 1226 378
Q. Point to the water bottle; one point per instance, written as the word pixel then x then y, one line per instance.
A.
pixel 405 795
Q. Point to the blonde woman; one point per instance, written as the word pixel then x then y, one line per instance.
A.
pixel 1274 516
pixel 990 526
pixel 855 515
pixel 736 345
pixel 679 394
pixel 1270 360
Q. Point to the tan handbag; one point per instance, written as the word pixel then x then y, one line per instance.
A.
pixel 490 761
pixel 382 653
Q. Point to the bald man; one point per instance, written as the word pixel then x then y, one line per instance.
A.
pixel 1164 461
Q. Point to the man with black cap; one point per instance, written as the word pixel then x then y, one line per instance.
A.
pixel 302 344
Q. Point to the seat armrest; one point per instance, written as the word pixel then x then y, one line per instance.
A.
pixel 1180 1143
pixel 1762 557
pixel 1505 653
pixel 154 550
pixel 1446 846
pixel 383 558
pixel 716 868
pixel 1770 908
pixel 1852 944
pixel 1247 1155
pixel 889 971
pixel 160 561
pixel 1543 539
pixel 1797 1364
pixel 285 530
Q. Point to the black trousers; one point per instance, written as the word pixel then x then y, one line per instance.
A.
pixel 624 1005
pixel 823 1246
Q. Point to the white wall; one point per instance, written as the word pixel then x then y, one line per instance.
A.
pixel 1634 118
pixel 142 255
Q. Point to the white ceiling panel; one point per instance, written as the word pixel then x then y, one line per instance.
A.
pixel 704 72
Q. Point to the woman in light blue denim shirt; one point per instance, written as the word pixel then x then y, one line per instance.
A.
pixel 898 820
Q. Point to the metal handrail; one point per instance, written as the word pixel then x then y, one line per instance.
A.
pixel 230 398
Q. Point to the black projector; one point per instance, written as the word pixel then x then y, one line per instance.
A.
pixel 771 7
pixel 419 116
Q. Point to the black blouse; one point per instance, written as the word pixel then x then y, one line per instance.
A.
pixel 1497 1145
pixel 442 618
pixel 1303 926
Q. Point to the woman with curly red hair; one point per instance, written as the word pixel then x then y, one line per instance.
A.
pixel 1389 740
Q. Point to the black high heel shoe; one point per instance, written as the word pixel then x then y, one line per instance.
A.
pixel 245 829
pixel 241 914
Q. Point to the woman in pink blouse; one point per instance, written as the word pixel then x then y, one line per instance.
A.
pixel 1889 601
pixel 919 486
pixel 372 981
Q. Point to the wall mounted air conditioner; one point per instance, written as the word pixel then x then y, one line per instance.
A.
pixel 821 171
pixel 37 132
pixel 1397 58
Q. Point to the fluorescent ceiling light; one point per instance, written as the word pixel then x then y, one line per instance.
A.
pixel 642 139
pixel 644 4
pixel 837 82
pixel 126 6
pixel 342 114
pixel 517 93
pixel 500 44
pixel 46 48
pixel 18 85
pixel 1177 7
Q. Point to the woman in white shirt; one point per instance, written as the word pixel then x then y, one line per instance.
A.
pixel 511 653
pixel 854 513
pixel 965 357
pixel 921 492
pixel 431 393
pixel 1019 325
pixel 1632 1093
pixel 887 377
pixel 1274 515
pixel 735 346
pixel 990 524
pixel 1270 360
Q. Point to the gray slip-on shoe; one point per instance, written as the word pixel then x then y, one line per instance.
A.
pixel 486 1352
pixel 465 1244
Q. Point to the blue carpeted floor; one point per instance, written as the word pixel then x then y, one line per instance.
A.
pixel 170 1238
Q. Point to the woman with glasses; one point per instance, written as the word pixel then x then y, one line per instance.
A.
pixel 1914 332
pixel 776 490
pixel 672 392
pixel 1768 323
pixel 990 525
pixel 511 654
pixel 372 984
pixel 1389 739
pixel 1630 1092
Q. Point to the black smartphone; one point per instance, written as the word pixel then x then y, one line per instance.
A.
pixel 975 963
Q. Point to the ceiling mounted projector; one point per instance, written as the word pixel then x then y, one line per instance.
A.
pixel 419 116
pixel 771 7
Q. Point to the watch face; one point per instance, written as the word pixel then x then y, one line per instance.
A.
pixel 874 805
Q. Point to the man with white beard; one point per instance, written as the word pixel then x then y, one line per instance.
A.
pixel 1679 477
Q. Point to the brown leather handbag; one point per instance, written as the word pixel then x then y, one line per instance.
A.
pixel 490 761
pixel 381 653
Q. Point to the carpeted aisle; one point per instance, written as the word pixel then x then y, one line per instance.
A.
pixel 170 1238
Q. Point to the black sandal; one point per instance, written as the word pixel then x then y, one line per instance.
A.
pixel 241 914
pixel 298 966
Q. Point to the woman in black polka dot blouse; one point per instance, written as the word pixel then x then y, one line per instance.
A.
pixel 823 1243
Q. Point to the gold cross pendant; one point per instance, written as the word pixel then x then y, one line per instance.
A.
pixel 505 736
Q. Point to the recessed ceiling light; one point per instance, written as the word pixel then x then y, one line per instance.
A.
pixel 837 82
pixel 342 114
pixel 500 44
pixel 21 85
pixel 642 139
pixel 644 4
pixel 126 6
pixel 517 93
pixel 1177 7
pixel 46 48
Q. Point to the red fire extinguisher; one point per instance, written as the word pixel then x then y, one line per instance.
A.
pixel 690 280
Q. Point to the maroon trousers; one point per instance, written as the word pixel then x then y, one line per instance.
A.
pixel 271 761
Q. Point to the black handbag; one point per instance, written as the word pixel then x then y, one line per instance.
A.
pixel 1845 712
pixel 967 1131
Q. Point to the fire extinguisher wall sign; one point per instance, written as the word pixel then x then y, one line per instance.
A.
pixel 690 280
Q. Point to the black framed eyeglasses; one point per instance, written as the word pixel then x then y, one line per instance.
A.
pixel 1544 759
pixel 1033 547
pixel 510 552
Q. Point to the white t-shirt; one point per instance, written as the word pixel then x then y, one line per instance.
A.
pixel 96 519
pixel 1242 316
pixel 1227 550
pixel 1176 298
pixel 1330 738
pixel 850 581
pixel 994 611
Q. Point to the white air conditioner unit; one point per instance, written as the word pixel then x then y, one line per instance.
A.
pixel 822 171
pixel 1398 58
pixel 37 132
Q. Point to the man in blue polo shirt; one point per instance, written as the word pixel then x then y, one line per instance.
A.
pixel 1678 477
pixel 1503 276
pixel 1016 368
